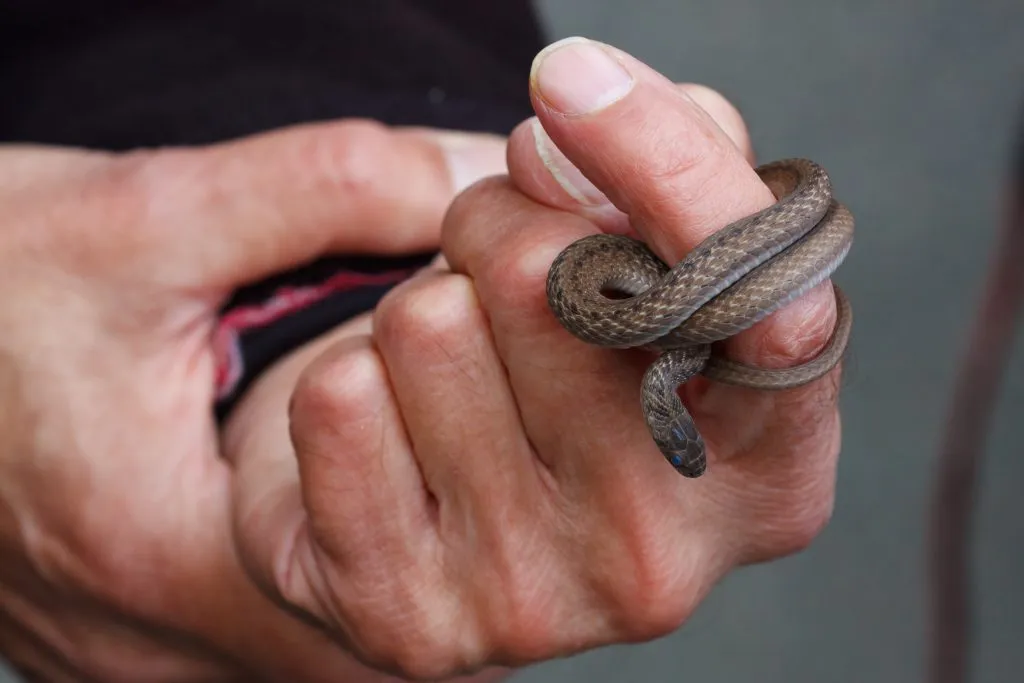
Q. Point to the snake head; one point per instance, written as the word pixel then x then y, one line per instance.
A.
pixel 683 447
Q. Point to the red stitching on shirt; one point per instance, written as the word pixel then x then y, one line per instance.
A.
pixel 283 302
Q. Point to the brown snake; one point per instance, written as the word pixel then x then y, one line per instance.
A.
pixel 613 291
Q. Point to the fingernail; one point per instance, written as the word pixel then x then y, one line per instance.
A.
pixel 577 76
pixel 472 157
pixel 570 178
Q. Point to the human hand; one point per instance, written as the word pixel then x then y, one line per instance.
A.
pixel 458 482
pixel 118 552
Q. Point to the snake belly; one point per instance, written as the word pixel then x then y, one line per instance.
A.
pixel 613 291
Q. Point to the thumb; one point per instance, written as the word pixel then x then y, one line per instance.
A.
pixel 254 207
pixel 647 149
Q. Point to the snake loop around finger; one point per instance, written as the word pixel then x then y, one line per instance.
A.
pixel 613 291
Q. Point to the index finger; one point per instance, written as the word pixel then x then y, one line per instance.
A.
pixel 244 209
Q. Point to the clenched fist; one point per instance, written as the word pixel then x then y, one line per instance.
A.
pixel 472 485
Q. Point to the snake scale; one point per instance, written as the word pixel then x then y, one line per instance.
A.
pixel 613 291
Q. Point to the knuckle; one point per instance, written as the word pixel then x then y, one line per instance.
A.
pixel 429 316
pixel 342 159
pixel 525 264
pixel 793 514
pixel 427 661
pixel 655 603
pixel 424 649
pixel 348 155
pixel 653 588
pixel 467 203
pixel 517 271
pixel 467 230
pixel 806 516
pixel 339 385
pixel 517 597
pixel 523 629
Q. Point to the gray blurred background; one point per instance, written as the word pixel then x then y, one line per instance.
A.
pixel 911 106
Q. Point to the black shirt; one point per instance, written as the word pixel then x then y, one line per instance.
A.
pixel 118 74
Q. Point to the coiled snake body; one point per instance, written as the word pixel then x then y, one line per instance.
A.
pixel 613 291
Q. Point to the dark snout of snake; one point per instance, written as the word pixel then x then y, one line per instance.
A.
pixel 613 291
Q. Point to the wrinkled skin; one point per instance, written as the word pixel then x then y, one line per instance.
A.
pixel 449 485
